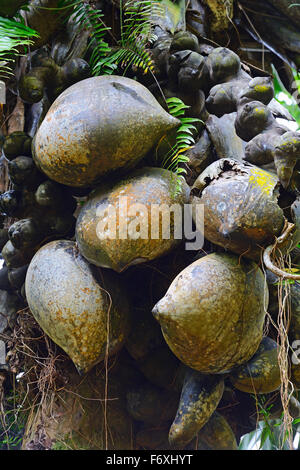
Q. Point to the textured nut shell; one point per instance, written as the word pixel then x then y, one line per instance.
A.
pixel 146 186
pixel 199 398
pixel 241 212
pixel 97 126
pixel 261 374
pixel 71 306
pixel 213 313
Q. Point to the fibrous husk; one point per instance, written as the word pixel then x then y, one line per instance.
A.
pixel 95 127
pixel 241 212
pixel 261 374
pixel 85 413
pixel 78 311
pixel 199 398
pixel 213 313
pixel 109 235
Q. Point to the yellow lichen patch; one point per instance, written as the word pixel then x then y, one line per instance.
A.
pixel 262 179
pixel 261 88
pixel 221 12
pixel 259 111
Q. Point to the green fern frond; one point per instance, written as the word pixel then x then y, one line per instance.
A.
pixel 136 26
pixel 91 19
pixel 136 31
pixel 176 158
pixel 13 35
pixel 138 21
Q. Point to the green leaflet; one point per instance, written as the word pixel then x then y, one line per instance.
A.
pixel 279 88
pixel 136 34
pixel 175 159
pixel 14 34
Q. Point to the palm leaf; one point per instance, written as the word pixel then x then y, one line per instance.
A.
pixel 14 35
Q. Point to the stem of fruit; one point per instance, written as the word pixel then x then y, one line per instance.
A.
pixel 288 227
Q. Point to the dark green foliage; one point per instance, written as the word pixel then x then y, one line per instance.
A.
pixel 136 34
pixel 175 159
pixel 15 36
